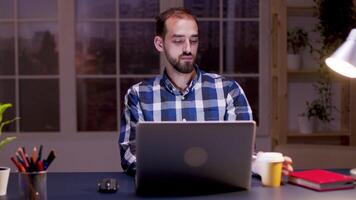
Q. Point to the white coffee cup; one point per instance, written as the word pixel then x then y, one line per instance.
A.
pixel 269 166
pixel 4 179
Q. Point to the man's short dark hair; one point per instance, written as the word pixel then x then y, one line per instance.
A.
pixel 172 12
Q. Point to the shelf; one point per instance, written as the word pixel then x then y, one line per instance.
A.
pixel 332 138
pixel 301 7
pixel 299 11
pixel 318 134
pixel 300 3
pixel 303 72
pixel 311 74
pixel 288 14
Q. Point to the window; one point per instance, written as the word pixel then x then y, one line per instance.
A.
pixel 29 63
pixel 66 65
pixel 114 50
pixel 229 42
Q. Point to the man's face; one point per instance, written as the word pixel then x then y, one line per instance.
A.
pixel 181 43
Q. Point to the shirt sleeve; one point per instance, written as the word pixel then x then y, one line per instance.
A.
pixel 238 107
pixel 127 138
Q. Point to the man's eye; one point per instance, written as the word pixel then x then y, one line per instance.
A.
pixel 194 41
pixel 178 41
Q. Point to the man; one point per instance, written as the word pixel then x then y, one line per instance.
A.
pixel 183 92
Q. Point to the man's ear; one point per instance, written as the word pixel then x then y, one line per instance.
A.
pixel 158 41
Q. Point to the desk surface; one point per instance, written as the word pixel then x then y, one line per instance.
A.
pixel 84 185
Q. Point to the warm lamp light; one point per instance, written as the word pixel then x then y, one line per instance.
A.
pixel 343 60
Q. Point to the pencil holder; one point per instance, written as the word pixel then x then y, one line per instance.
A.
pixel 33 185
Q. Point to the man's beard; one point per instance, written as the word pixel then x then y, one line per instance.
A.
pixel 185 67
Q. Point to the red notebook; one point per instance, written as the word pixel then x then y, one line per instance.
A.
pixel 321 180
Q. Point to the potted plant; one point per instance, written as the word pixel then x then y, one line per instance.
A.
pixel 315 110
pixel 4 171
pixel 297 40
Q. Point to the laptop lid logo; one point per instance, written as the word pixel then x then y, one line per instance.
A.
pixel 195 156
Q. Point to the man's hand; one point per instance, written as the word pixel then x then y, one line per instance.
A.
pixel 287 165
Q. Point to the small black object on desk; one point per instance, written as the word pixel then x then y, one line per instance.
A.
pixel 108 185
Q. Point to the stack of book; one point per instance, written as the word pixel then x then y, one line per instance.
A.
pixel 321 180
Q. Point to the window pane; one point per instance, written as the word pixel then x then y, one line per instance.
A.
pixel 138 8
pixel 95 8
pixel 241 47
pixel 125 84
pixel 37 8
pixel 7 49
pixel 6 8
pixel 7 95
pixel 250 87
pixel 203 8
pixel 97 105
pixel 137 52
pixel 95 48
pixel 241 8
pixel 208 55
pixel 38 50
pixel 39 105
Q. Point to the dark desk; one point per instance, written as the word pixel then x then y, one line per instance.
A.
pixel 65 186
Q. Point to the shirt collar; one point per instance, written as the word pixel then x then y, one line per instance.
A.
pixel 166 82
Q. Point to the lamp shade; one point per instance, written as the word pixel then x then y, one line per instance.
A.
pixel 343 60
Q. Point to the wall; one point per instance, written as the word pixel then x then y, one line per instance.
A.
pixel 81 153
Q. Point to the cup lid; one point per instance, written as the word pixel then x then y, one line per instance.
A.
pixel 270 157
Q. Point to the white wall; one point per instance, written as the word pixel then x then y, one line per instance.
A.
pixel 263 143
pixel 82 153
pixel 78 153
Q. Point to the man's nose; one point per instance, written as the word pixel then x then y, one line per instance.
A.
pixel 187 47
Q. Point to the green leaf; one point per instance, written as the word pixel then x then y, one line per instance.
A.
pixel 4 107
pixel 6 141
pixel 2 124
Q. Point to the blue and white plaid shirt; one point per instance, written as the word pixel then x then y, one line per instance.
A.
pixel 208 97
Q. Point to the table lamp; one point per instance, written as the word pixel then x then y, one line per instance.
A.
pixel 343 61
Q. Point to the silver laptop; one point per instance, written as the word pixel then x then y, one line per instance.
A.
pixel 194 155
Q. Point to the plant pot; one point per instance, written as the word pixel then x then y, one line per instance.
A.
pixel 4 179
pixel 321 126
pixel 294 62
pixel 306 126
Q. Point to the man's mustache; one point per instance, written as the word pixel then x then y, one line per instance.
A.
pixel 187 54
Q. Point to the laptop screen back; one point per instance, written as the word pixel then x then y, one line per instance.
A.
pixel 194 154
